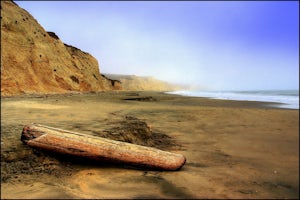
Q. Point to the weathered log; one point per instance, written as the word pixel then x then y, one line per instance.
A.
pixel 98 148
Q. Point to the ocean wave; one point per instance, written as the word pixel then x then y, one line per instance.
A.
pixel 288 98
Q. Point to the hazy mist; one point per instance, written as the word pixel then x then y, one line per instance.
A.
pixel 211 45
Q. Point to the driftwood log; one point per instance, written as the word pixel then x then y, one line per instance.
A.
pixel 98 148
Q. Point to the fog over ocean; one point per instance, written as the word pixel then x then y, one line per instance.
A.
pixel 288 98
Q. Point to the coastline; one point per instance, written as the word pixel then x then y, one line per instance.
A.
pixel 276 98
pixel 208 101
pixel 234 149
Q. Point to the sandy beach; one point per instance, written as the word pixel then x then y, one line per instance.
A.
pixel 234 149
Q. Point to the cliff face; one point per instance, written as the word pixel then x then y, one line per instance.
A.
pixel 36 61
pixel 140 83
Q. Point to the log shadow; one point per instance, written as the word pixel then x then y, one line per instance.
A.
pixel 77 162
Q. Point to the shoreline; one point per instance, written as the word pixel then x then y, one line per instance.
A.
pixel 267 96
pixel 234 149
pixel 243 103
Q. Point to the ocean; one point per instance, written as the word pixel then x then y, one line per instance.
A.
pixel 288 98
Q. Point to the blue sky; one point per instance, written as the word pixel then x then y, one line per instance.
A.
pixel 216 45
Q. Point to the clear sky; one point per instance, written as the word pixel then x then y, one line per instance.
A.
pixel 217 45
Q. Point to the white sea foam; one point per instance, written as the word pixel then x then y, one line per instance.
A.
pixel 288 98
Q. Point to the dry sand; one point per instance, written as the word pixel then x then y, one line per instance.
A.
pixel 234 149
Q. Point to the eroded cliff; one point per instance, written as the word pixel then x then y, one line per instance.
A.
pixel 143 83
pixel 36 61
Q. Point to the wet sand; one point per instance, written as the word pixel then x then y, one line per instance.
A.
pixel 234 149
